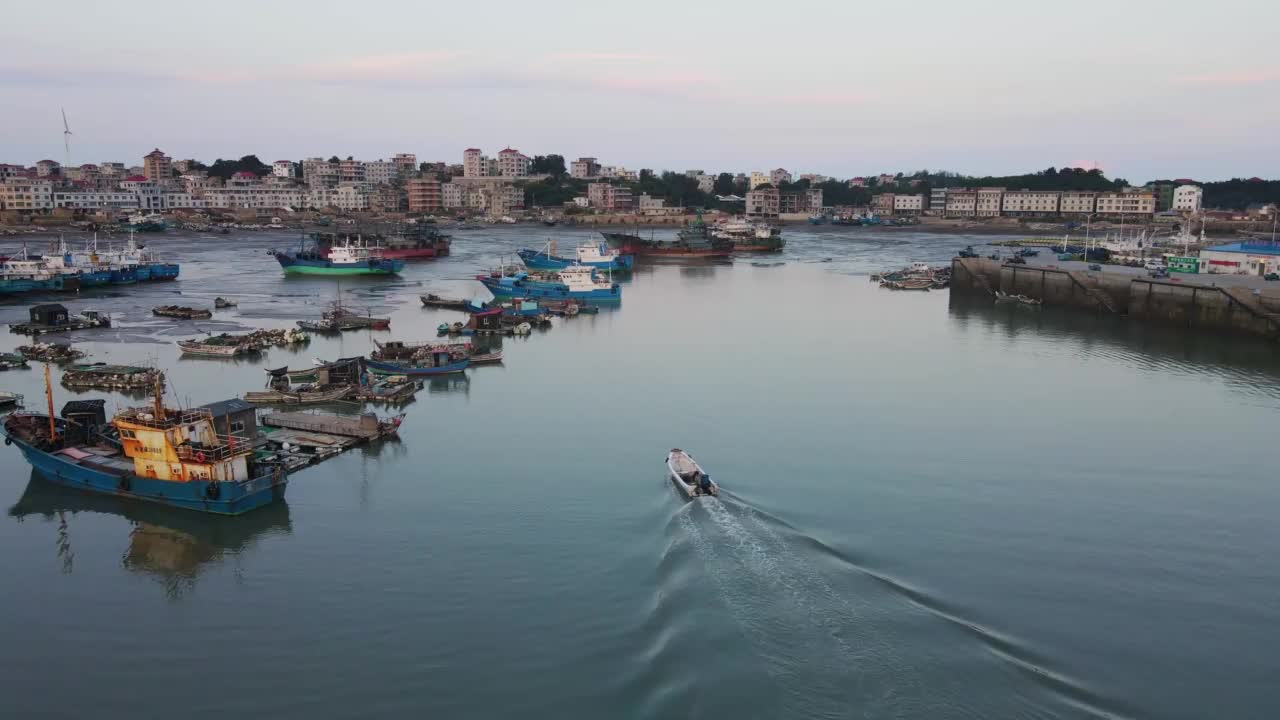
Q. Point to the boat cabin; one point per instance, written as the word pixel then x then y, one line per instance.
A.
pixel 489 321
pixel 343 371
pixel 181 445
pixel 85 419
pixel 51 314
pixel 234 417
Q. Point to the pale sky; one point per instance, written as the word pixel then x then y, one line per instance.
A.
pixel 1144 89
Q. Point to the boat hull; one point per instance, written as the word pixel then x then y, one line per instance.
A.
pixel 233 498
pixel 542 261
pixel 58 283
pixel 381 367
pixel 549 292
pixel 293 265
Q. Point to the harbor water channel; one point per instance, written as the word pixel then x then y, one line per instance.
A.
pixel 932 507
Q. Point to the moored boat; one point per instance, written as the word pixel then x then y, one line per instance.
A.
pixel 748 236
pixel 435 301
pixel 181 312
pixel 217 346
pixel 572 283
pixel 688 476
pixel 349 257
pixel 300 396
pixel 594 255
pixel 435 363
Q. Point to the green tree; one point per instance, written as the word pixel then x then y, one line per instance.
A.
pixel 548 164
pixel 723 184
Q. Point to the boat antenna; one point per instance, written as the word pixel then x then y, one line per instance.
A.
pixel 159 398
pixel 48 394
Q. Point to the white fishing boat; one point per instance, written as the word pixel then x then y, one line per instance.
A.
pixel 688 475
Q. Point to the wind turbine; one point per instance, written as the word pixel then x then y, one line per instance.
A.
pixel 66 141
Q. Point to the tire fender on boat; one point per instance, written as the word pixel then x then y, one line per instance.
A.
pixel 212 490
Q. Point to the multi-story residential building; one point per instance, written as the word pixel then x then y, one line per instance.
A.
pixel 764 203
pixel 857 182
pixel 882 204
pixel 282 168
pixel 1188 198
pixel 474 163
pixel 1077 202
pixel 46 168
pixel 495 199
pixel 319 173
pixel 1163 192
pixel 347 197
pixel 379 172
pixel 157 166
pixel 94 199
pixel 8 171
pixel 584 168
pixel 180 200
pixel 26 194
pixel 424 195
pixel 989 202
pixel 938 201
pixel 452 195
pixel 803 201
pixel 513 164
pixel 908 204
pixel 779 176
pixel 149 192
pixel 757 179
pixel 961 203
pixel 112 169
pixel 386 198
pixel 1030 203
pixel 814 178
pixel 610 197
pixel 351 171
pixel 887 180
pixel 406 164
pixel 1117 204
pixel 649 205
pixel 196 183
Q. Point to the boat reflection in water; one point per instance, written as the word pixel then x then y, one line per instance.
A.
pixel 170 545
pixel 457 382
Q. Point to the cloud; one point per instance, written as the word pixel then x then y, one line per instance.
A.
pixel 603 56
pixel 1231 78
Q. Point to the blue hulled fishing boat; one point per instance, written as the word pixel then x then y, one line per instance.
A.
pixel 437 360
pixel 572 283
pixel 593 255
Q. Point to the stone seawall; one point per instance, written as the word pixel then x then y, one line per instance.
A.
pixel 1191 305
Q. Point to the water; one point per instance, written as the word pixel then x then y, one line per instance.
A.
pixel 933 508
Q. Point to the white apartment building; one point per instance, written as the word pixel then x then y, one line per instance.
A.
pixel 757 179
pixel 513 164
pixel 94 199
pixel 474 163
pixel 1076 202
pixel 318 172
pixel 988 202
pixel 380 172
pixel 1188 198
pixel 908 204
pixel 779 176
pixel 452 195
pixel 584 168
pixel 24 194
pixel 281 168
pixel 1029 202
pixel 179 200
pixel 1126 203
pixel 766 203
pixel 961 203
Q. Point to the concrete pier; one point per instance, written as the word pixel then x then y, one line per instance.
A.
pixel 1188 303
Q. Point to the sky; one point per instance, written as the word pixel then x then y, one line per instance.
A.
pixel 1142 89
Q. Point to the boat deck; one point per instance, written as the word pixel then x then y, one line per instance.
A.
pixel 341 425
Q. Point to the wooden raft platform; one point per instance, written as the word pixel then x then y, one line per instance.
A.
pixel 364 427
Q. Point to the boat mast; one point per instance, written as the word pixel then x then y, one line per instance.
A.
pixel 159 398
pixel 48 394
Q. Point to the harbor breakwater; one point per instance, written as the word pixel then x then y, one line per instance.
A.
pixel 1194 305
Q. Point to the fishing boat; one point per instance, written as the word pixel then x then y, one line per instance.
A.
pixel 1025 300
pixel 594 255
pixel 24 276
pixel 576 283
pixel 748 236
pixel 181 312
pixel 153 222
pixel 222 303
pixel 436 362
pixel 101 376
pixel 694 241
pixel 305 395
pixel 217 346
pixel 688 475
pixel 435 301
pixel 348 257
pixel 9 400
pixel 155 454
pixel 11 361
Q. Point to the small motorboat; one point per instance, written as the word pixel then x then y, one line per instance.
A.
pixel 688 475
pixel 221 303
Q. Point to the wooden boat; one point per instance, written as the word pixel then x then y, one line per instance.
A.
pixel 1002 296
pixel 217 346
pixel 300 396
pixel 689 476
pixel 10 400
pixel 435 362
pixel 908 284
pixel 435 301
pixel 488 358
pixel 100 376
pixel 181 312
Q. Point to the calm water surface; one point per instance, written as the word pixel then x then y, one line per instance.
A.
pixel 933 508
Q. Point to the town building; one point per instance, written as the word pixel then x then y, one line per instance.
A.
pixel 1077 202
pixel 112 169
pixel 425 195
pixel 814 178
pixel 406 164
pixel 351 171
pixel 649 205
pixel 779 176
pixel 380 172
pixel 857 182
pixel 474 163
pixel 1163 192
pixel 763 204
pixel 1030 203
pixel 882 204
pixel 94 199
pixel 1188 198
pixel 757 179
pixel 280 168
pixel 886 180
pixel 26 194
pixel 908 204
pixel 613 198
pixel 513 164
pixel 989 202
pixel 938 201
pixel 47 168
pixel 1241 258
pixel 8 171
pixel 319 173
pixel 1118 204
pixel 157 166
pixel 800 201
pixel 495 199
pixel 452 195
pixel 961 203
pixel 584 168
